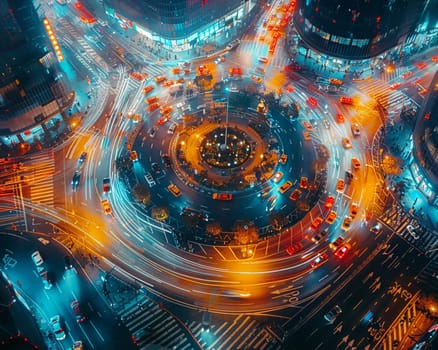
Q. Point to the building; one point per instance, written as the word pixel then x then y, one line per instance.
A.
pixel 33 92
pixel 425 167
pixel 356 30
pixel 180 24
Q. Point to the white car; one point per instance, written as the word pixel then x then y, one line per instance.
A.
pixel 37 259
pixel 55 323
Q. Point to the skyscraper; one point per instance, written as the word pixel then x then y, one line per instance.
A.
pixel 32 90
pixel 356 29
pixel 179 24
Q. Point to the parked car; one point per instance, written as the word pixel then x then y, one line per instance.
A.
pixel 55 324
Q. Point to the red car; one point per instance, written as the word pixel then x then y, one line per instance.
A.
pixel 316 223
pixel 312 101
pixel 346 100
pixel 292 249
pixel 342 250
pixel 319 260
pixel 106 185
pixel 304 182
pixel 294 67
pixel 163 120
pixel 340 118
pixel 329 202
pixel 236 71
pixel 222 196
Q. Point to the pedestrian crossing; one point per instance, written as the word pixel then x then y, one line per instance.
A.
pixel 151 324
pixel 423 239
pixel 40 169
pixel 402 327
pixel 390 100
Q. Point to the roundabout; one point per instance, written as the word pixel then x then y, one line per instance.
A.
pixel 232 155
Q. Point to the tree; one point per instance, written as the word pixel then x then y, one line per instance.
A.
pixel 278 221
pixel 160 213
pixel 142 194
pixel 246 233
pixel 214 228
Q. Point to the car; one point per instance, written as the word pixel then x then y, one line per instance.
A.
pixel 340 185
pixel 235 71
pixel 133 156
pixel 354 209
pixel 376 229
pixel 285 187
pixel 222 196
pixel 307 125
pixel 55 324
pixel 152 100
pixel 334 312
pixel 163 120
pixel 347 222
pixel 316 223
pixel 277 177
pixel 37 259
pixel 283 158
pixel 320 236
pixel 67 262
pixel 147 89
pixel 342 250
pixel 263 59
pixel 152 131
pixel 312 101
pixel 232 45
pixel 260 70
pixel 166 160
pixel 80 317
pixel 307 136
pixel 346 143
pixel 356 163
pixel 174 190
pixel 172 128
pixel 337 243
pixel 176 70
pixel 340 118
pixel 77 345
pixel 190 212
pixel 256 79
pixel 82 158
pixel 293 67
pixel 295 195
pixel 304 182
pixel 326 123
pixel 152 107
pixel 106 207
pixel 106 185
pixel 319 260
pixel 395 86
pixel 346 100
pixel 75 180
pixel 47 282
pixel 43 241
pixel 160 78
pixel 156 168
pixel 412 232
pixel 166 110
pixel 294 248
pixel 329 202
pixel 331 217
pixel 355 129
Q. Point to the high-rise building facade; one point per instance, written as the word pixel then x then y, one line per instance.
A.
pixel 356 29
pixel 179 24
pixel 32 89
pixel 425 169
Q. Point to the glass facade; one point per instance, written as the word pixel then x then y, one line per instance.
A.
pixel 178 24
pixel 32 89
pixel 426 142
pixel 356 30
